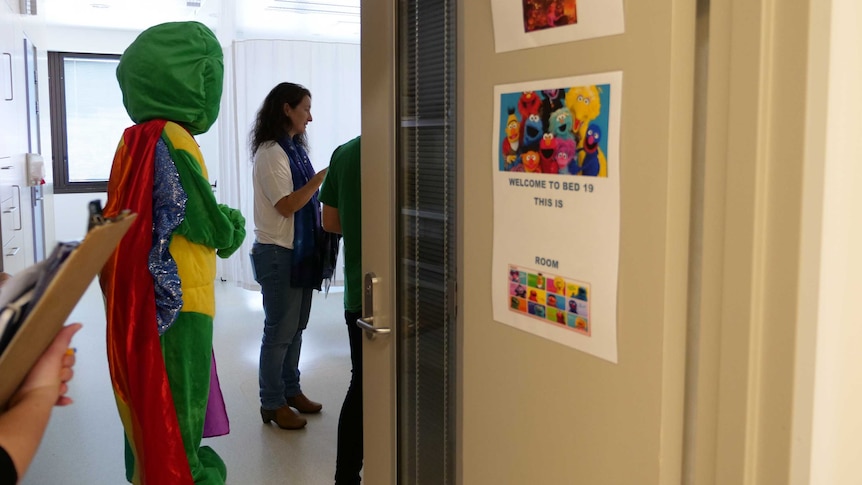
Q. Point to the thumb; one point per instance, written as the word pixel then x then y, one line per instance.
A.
pixel 63 340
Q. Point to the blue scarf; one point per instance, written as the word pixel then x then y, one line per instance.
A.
pixel 306 269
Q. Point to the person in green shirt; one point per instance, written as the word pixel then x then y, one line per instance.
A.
pixel 342 214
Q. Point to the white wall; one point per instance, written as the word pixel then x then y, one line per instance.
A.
pixel 827 427
pixel 69 210
pixel 836 439
pixel 71 215
pixel 66 39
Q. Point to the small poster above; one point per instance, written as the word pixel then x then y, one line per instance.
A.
pixel 521 24
pixel 556 177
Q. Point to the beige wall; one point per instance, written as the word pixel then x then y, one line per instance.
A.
pixel 771 358
pixel 534 411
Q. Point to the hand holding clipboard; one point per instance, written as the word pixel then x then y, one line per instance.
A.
pixel 64 281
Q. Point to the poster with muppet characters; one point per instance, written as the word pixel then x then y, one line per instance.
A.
pixel 520 24
pixel 550 298
pixel 556 169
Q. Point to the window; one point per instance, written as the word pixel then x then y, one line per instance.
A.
pixel 87 119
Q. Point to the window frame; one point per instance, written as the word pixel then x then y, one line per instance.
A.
pixel 59 133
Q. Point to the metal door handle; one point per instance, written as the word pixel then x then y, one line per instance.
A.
pixel 366 323
pixel 20 217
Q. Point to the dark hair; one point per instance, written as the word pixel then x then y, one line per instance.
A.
pixel 271 123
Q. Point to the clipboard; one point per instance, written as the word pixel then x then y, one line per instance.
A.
pixel 48 314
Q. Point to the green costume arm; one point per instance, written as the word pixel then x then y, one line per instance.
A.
pixel 236 218
pixel 206 221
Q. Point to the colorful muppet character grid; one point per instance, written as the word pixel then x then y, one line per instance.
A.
pixel 561 131
pixel 550 298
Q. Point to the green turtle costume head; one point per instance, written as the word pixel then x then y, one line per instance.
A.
pixel 173 71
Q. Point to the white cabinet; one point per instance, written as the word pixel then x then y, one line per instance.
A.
pixel 14 202
pixel 9 105
pixel 16 220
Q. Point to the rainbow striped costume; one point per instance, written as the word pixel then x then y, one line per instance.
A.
pixel 158 284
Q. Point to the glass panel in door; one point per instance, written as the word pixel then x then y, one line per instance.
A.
pixel 427 242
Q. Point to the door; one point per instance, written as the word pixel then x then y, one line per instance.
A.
pixel 378 240
pixel 524 408
pixel 34 144
pixel 410 240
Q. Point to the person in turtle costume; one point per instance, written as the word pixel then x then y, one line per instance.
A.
pixel 159 283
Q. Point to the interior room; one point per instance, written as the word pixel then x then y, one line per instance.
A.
pixel 314 43
pixel 603 241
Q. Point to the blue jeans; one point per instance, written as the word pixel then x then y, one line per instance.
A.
pixel 286 310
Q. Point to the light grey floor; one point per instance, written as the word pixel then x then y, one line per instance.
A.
pixel 84 441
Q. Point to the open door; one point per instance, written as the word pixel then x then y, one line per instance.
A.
pixel 410 240
pixel 378 238
pixel 516 407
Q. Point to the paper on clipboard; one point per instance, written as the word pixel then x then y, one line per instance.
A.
pixel 53 307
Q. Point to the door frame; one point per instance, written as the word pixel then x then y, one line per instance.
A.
pixel 745 417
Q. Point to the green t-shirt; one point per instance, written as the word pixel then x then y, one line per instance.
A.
pixel 342 190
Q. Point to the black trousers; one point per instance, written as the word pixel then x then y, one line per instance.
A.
pixel 349 453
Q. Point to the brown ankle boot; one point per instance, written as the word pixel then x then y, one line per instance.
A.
pixel 303 404
pixel 284 417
